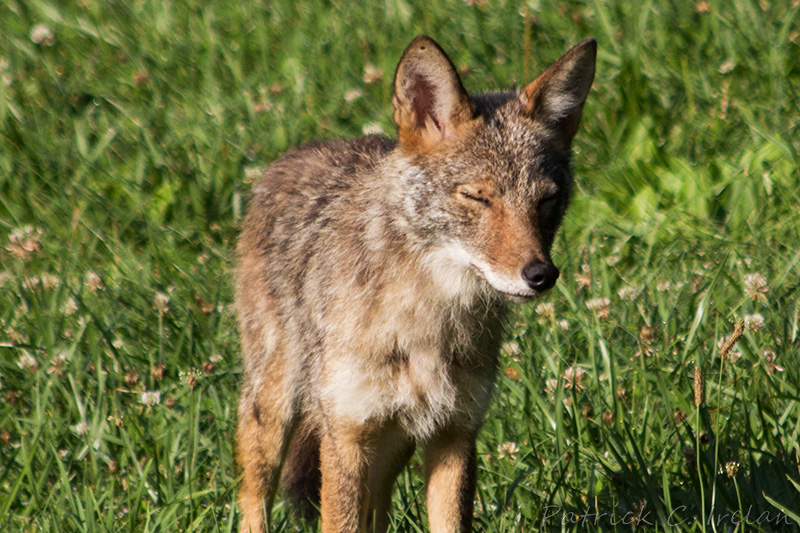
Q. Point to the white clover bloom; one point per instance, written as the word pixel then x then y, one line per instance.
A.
pixel 27 362
pixel 161 302
pixel 372 74
pixel 598 303
pixel 507 449
pixel 373 128
pixel 42 34
pixel 573 377
pixel 92 281
pixel 628 293
pixel 755 286
pixel 150 398
pixel 546 309
pixel 70 306
pixel 727 66
pixel 754 322
pixel 24 242
pixel 600 306
pixel 511 348
pixel 352 95
pixel 50 281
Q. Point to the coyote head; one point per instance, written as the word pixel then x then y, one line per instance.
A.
pixel 488 176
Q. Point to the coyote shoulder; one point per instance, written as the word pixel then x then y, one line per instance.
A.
pixel 372 283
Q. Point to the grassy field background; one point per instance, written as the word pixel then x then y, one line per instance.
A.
pixel 128 133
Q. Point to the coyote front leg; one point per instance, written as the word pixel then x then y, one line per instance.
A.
pixel 450 468
pixel 392 452
pixel 344 467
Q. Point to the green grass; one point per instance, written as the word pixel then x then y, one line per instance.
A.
pixel 124 150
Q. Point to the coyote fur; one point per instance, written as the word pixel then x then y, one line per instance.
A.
pixel 372 283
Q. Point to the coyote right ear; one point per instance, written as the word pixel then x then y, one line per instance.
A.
pixel 430 103
pixel 556 97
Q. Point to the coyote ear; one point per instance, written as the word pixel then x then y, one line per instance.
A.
pixel 557 96
pixel 430 103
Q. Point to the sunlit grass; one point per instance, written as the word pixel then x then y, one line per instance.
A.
pixel 128 131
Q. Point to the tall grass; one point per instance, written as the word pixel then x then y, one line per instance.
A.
pixel 128 131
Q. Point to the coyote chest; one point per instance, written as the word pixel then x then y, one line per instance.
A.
pixel 415 389
pixel 434 369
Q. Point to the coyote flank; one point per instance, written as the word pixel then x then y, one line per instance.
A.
pixel 372 283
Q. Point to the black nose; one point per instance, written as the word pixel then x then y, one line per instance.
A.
pixel 540 276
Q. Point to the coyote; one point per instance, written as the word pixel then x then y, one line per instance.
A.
pixel 372 283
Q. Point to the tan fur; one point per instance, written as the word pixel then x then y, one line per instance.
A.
pixel 371 289
pixel 450 469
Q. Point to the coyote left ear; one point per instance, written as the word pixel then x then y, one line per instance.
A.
pixel 557 96
pixel 430 103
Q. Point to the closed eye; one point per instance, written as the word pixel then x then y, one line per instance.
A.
pixel 481 199
pixel 549 201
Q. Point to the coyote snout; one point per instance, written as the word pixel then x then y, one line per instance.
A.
pixel 511 250
pixel 533 279
pixel 371 289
